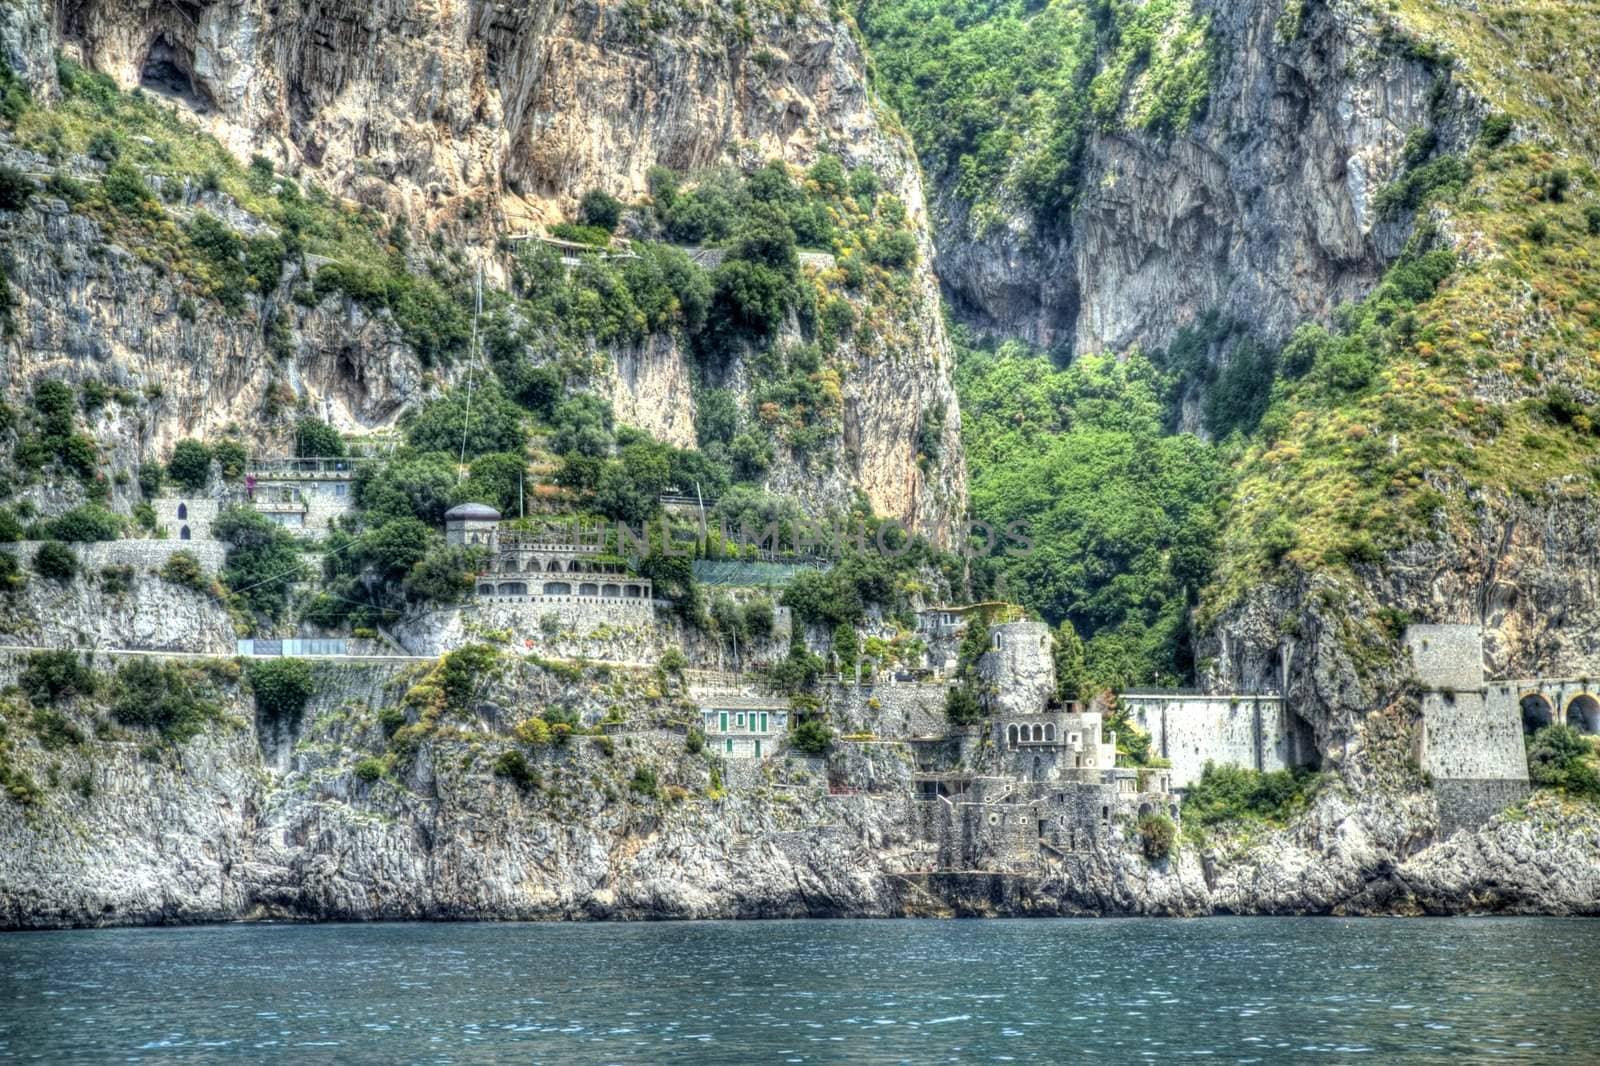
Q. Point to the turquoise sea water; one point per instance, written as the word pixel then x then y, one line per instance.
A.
pixel 1251 990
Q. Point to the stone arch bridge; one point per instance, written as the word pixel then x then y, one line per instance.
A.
pixel 1546 701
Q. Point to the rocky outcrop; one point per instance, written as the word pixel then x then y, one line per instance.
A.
pixel 268 819
pixel 1262 211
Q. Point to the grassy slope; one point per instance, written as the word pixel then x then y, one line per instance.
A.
pixel 1486 384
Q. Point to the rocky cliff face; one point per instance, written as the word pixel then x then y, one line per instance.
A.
pixel 1263 210
pixel 271 819
pixel 473 123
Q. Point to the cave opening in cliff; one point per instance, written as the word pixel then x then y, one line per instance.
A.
pixel 168 71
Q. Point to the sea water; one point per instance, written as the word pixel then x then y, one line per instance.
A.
pixel 1240 990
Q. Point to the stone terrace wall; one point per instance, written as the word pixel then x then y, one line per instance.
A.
pixel 149 555
pixel 892 711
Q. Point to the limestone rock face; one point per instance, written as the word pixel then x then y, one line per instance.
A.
pixel 1263 211
pixel 474 123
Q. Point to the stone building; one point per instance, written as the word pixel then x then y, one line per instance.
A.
pixel 550 565
pixel 743 727
pixel 304 496
pixel 472 525
pixel 1018 671
pixel 1055 743
pixel 1471 738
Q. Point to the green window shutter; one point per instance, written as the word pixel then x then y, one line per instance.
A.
pixel 758 749
pixel 763 721
pixel 729 748
pixel 724 727
pixel 741 719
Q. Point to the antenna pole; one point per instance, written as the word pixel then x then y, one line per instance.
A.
pixel 472 348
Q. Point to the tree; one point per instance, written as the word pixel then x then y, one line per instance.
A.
pixel 281 687
pixel 190 465
pixel 87 522
pixel 600 208
pixel 314 438
pixel 444 575
pixel 262 559
pixel 1559 757
pixel 496 479
pixel 811 737
pixel 489 423
pixel 392 549
pixel 410 486
pixel 1068 656
pixel 845 646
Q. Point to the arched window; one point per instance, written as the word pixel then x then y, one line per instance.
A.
pixel 1011 736
pixel 183 511
pixel 183 534
pixel 1038 734
pixel 554 567
pixel 611 592
pixel 1050 732
pixel 588 588
pixel 557 588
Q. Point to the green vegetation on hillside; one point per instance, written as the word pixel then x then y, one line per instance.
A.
pixel 1122 515
pixel 1001 97
pixel 1459 375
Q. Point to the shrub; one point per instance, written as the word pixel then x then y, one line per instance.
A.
pixel 673 661
pixel 183 568
pixel 1559 757
pixel 55 561
pixel 83 524
pixel 694 742
pixel 369 769
pixel 1157 834
pixel 116 580
pixel 644 782
pixel 390 719
pixel 1228 793
pixel 56 675
pixel 535 732
pixel 160 695
pixel 513 766
pixel 55 730
pixel 16 188
pixel 190 465
pixel 1591 215
pixel 281 687
pixel 1496 130
pixel 962 706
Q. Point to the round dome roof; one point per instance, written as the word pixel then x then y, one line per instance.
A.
pixel 477 511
